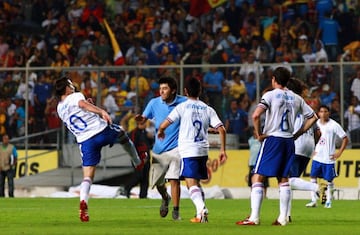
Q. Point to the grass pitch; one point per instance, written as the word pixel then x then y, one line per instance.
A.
pixel 133 216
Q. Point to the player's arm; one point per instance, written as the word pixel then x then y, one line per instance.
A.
pixel 344 143
pixel 94 109
pixel 257 123
pixel 307 124
pixel 162 127
pixel 140 118
pixel 222 154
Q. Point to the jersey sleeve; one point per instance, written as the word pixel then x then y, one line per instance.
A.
pixel 215 121
pixel 174 115
pixel 76 97
pixel 148 109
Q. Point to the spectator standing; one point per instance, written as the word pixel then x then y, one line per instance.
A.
pixel 328 30
pixel 213 82
pixel 110 103
pixel 143 141
pixel 236 121
pixel 8 162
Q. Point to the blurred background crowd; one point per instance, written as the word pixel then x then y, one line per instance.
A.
pixel 235 43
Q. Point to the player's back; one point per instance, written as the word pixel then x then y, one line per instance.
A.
pixel 195 118
pixel 282 106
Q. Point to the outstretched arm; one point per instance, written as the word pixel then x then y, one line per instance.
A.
pixel 162 127
pixel 94 109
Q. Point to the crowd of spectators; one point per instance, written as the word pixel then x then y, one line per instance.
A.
pixel 245 33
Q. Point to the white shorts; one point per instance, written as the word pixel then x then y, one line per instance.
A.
pixel 164 166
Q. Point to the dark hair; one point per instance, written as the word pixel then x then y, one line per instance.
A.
pixel 325 107
pixel 282 76
pixel 193 87
pixel 60 85
pixel 296 85
pixel 170 81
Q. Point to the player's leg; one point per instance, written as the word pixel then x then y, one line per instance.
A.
pixel 88 176
pixel 329 175
pixel 173 175
pixel 284 198
pixel 129 147
pixel 194 169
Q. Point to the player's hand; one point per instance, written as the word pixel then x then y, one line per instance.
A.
pixel 222 157
pixel 261 137
pixel 106 117
pixel 161 134
pixel 335 156
pixel 140 118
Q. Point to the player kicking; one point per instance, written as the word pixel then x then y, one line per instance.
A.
pixel 195 119
pixel 278 149
pixel 93 129
pixel 325 154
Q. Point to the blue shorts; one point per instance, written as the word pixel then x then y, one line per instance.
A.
pixel 275 157
pixel 299 165
pixel 90 149
pixel 322 170
pixel 194 168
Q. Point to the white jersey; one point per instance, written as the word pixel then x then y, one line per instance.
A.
pixel 281 107
pixel 195 118
pixel 304 144
pixel 81 123
pixel 325 147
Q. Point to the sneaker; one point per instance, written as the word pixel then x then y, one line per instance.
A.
pixel 164 208
pixel 327 205
pixel 83 212
pixel 247 221
pixel 311 204
pixel 203 217
pixel 277 223
pixel 176 215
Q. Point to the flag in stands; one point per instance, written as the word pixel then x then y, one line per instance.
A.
pixel 118 56
pixel 216 3
pixel 199 7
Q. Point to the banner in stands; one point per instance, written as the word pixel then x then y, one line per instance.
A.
pixel 235 171
pixel 38 161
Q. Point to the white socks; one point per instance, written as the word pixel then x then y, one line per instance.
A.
pixel 257 195
pixel 85 189
pixel 285 194
pixel 197 198
pixel 300 184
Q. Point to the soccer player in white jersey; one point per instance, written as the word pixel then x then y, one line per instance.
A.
pixel 277 152
pixel 304 147
pixel 325 154
pixel 195 119
pixel 93 129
